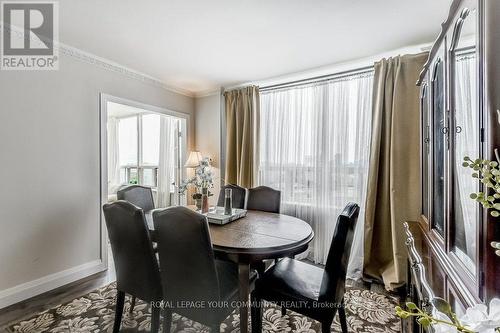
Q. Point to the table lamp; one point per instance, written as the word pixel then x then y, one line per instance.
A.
pixel 193 160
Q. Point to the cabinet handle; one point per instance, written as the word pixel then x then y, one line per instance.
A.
pixel 458 129
pixel 444 130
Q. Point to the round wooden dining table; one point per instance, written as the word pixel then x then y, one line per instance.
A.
pixel 253 238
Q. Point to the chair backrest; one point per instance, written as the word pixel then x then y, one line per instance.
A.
pixel 334 276
pixel 141 196
pixel 185 249
pixel 264 198
pixel 137 271
pixel 238 196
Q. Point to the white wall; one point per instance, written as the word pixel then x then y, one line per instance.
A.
pixel 49 151
pixel 207 125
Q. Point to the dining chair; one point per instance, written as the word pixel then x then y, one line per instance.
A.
pixel 264 198
pixel 307 289
pixel 238 196
pixel 141 196
pixel 193 275
pixel 137 271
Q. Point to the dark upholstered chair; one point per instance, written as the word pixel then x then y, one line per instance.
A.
pixel 141 196
pixel 264 198
pixel 137 271
pixel 318 293
pixel 239 196
pixel 192 274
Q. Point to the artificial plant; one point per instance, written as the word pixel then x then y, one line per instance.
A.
pixel 488 173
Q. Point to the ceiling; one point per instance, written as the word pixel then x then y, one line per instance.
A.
pixel 198 45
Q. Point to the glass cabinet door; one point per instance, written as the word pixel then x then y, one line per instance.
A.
pixel 466 139
pixel 424 107
pixel 439 132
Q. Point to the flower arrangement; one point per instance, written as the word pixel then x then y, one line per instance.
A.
pixel 201 181
pixel 476 319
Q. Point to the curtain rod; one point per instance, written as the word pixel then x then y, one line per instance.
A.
pixel 317 79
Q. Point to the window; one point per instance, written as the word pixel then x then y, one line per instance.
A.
pixel 139 145
pixel 145 145
pixel 314 148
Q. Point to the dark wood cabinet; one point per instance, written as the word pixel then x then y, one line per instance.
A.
pixel 460 96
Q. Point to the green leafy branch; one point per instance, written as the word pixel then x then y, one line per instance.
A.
pixel 488 173
pixel 425 320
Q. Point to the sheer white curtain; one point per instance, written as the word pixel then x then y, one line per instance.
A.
pixel 314 147
pixel 167 158
pixel 113 155
pixel 467 144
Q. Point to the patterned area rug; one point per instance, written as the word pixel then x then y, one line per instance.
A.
pixel 367 312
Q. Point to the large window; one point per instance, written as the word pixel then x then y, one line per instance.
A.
pixel 314 147
pixel 139 142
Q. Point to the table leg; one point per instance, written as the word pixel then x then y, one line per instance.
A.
pixel 244 279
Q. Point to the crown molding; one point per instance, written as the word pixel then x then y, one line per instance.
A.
pixel 103 63
pixel 115 67
pixel 206 93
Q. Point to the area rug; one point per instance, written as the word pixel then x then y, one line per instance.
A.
pixel 367 312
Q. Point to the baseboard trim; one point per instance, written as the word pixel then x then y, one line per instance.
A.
pixel 39 286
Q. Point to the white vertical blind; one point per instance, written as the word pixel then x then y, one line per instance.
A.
pixel 314 147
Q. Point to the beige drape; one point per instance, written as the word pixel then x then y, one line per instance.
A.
pixel 393 195
pixel 242 123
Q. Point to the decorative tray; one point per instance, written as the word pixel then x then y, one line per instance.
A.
pixel 217 216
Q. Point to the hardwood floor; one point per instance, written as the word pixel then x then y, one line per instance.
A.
pixel 57 296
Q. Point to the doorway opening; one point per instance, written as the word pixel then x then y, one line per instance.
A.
pixel 144 145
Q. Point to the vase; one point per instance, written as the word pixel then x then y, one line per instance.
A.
pixel 198 204
pixel 204 200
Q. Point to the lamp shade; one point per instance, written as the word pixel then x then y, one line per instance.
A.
pixel 193 160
